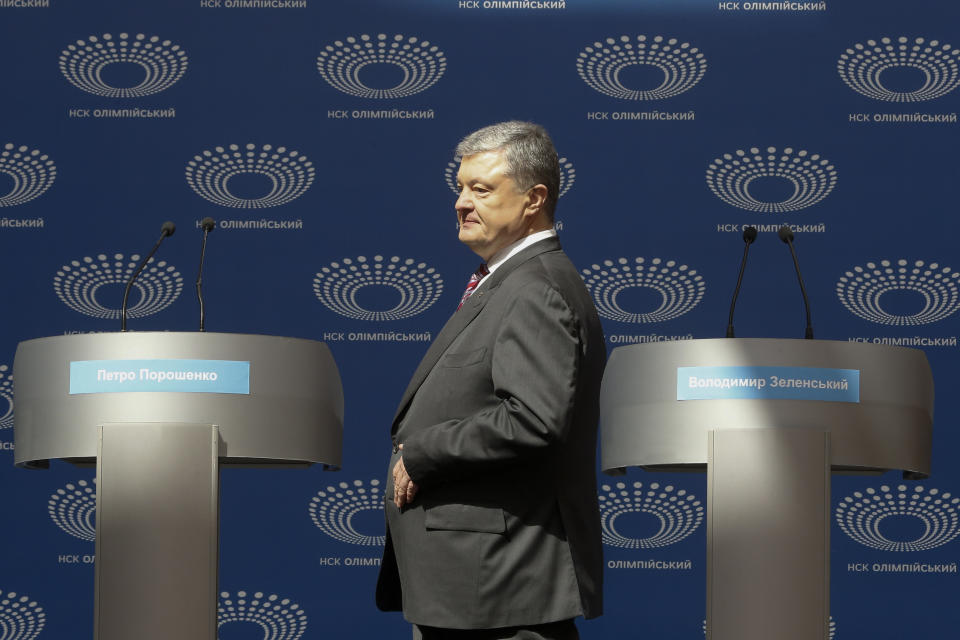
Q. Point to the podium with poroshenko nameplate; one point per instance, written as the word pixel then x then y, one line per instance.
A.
pixel 158 412
pixel 770 419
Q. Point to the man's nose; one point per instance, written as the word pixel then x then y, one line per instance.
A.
pixel 464 203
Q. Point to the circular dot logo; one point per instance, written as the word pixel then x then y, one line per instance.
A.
pixel 20 617
pixel 333 509
pixel 568 174
pixel 73 509
pixel 83 63
pixel 862 515
pixel 6 397
pixel 79 283
pixel 679 513
pixel 680 287
pixel 417 286
pixel 862 67
pixel 289 174
pixel 420 64
pixel 280 618
pixel 601 65
pixel 812 177
pixel 31 172
pixel 861 290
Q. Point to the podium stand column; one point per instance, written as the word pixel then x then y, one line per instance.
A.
pixel 157 526
pixel 768 534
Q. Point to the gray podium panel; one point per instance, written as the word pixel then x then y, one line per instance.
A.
pixel 643 424
pixel 157 526
pixel 158 448
pixel 768 456
pixel 293 413
pixel 768 538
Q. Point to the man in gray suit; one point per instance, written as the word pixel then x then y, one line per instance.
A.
pixel 493 528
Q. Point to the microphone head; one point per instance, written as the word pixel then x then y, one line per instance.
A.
pixel 785 233
pixel 168 228
pixel 749 234
pixel 208 224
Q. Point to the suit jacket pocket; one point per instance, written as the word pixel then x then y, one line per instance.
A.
pixel 463 358
pixel 465 517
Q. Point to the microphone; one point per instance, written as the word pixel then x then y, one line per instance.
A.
pixel 166 230
pixel 208 225
pixel 749 235
pixel 786 234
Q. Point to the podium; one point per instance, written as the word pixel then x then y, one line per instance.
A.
pixel 158 413
pixel 770 420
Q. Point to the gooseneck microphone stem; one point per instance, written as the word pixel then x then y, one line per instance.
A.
pixel 166 230
pixel 786 234
pixel 749 235
pixel 208 225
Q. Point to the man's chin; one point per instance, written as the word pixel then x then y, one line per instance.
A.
pixel 467 237
pixel 474 243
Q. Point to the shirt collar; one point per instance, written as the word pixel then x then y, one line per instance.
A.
pixel 511 250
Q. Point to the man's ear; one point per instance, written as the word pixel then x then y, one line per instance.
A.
pixel 536 199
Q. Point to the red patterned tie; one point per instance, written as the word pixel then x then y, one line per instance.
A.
pixel 473 282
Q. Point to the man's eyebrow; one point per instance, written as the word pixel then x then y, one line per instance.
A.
pixel 474 180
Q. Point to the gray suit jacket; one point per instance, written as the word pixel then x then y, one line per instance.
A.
pixel 499 427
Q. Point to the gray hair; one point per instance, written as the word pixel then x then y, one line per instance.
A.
pixel 531 157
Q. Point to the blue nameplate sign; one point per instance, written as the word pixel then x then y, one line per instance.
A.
pixel 785 383
pixel 178 376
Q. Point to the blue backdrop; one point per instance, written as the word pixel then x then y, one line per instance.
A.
pixel 319 135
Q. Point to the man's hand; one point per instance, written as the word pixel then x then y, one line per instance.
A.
pixel 404 488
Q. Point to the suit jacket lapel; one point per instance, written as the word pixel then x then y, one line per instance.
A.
pixel 462 318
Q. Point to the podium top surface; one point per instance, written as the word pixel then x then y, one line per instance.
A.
pixel 651 416
pixel 274 399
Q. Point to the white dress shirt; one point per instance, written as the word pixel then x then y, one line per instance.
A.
pixel 511 250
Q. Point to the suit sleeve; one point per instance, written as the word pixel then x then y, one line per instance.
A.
pixel 535 364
